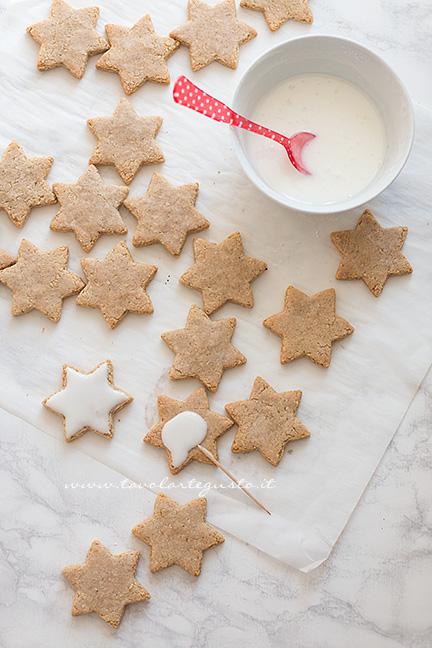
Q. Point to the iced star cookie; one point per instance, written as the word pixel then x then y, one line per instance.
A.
pixel 308 326
pixel 117 285
pixel 213 33
pixel 126 141
pixel 203 349
pixel 371 252
pixel 178 535
pixel 89 208
pixel 23 183
pixel 166 214
pixel 88 401
pixel 267 421
pixel 185 424
pixel 278 12
pixel 67 38
pixel 105 583
pixel 223 273
pixel 40 280
pixel 137 54
pixel 6 259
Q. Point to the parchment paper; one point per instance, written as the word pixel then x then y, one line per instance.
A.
pixel 352 409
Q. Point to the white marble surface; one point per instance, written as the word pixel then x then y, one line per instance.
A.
pixel 376 588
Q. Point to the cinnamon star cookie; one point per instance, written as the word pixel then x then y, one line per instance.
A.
pixel 267 421
pixel 105 583
pixel 137 54
pixel 23 183
pixel 89 208
pixel 213 33
pixel 166 214
pixel 126 140
pixel 88 401
pixel 308 326
pixel 203 349
pixel 223 273
pixel 278 12
pixel 116 285
pixel 68 38
pixel 371 252
pixel 40 280
pixel 178 535
pixel 6 259
pixel 170 409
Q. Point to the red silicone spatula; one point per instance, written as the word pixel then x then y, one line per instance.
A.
pixel 188 94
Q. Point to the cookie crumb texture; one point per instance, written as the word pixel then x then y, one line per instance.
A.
pixel 278 12
pixel 203 349
pixel 371 253
pixel 197 402
pixel 267 421
pixel 308 326
pixel 40 280
pixel 105 583
pixel 178 535
pixel 67 38
pixel 213 33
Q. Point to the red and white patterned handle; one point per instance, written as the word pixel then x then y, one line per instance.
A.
pixel 188 94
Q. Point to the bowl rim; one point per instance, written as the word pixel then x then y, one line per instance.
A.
pixel 337 207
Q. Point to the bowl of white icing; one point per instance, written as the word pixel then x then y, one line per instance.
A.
pixel 349 98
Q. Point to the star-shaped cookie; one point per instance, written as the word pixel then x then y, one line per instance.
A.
pixel 68 37
pixel 371 252
pixel 105 583
pixel 89 207
pixel 88 401
pixel 6 259
pixel 116 285
pixel 213 33
pixel 308 326
pixel 137 54
pixel 23 183
pixel 166 214
pixel 278 12
pixel 126 140
pixel 223 273
pixel 267 421
pixel 203 349
pixel 197 402
pixel 40 280
pixel 178 535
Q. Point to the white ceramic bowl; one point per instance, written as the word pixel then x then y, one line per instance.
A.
pixel 351 61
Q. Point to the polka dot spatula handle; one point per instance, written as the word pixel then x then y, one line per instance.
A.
pixel 188 94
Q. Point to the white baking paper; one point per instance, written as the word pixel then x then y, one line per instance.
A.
pixel 352 409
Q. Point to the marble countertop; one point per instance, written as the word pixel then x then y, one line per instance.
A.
pixel 376 588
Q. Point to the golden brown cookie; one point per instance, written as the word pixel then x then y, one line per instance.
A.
pixel 137 54
pixel 197 402
pixel 223 273
pixel 68 37
pixel 126 140
pixel 23 183
pixel 105 583
pixel 178 535
pixel 371 252
pixel 6 259
pixel 308 326
pixel 40 280
pixel 213 33
pixel 89 208
pixel 203 349
pixel 88 401
pixel 166 214
pixel 278 12
pixel 116 285
pixel 267 421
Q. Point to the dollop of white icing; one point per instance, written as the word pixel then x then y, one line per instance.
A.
pixel 182 433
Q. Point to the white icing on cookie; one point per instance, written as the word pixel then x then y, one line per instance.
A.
pixel 87 401
pixel 182 433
